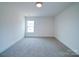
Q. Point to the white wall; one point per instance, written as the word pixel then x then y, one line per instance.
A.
pixel 43 26
pixel 11 26
pixel 67 27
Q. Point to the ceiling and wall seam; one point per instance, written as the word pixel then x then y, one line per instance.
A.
pixel 64 9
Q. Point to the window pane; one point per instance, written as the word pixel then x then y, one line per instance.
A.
pixel 30 30
pixel 30 23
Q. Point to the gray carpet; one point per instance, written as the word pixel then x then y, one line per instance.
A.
pixel 38 47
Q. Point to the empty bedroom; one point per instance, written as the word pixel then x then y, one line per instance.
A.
pixel 39 29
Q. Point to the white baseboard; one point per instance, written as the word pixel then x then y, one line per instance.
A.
pixel 37 36
pixel 75 51
pixel 17 39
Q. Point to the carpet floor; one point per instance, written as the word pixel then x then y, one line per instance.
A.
pixel 38 47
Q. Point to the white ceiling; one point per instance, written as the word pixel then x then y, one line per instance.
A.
pixel 48 9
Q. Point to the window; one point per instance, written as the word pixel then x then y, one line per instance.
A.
pixel 30 26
